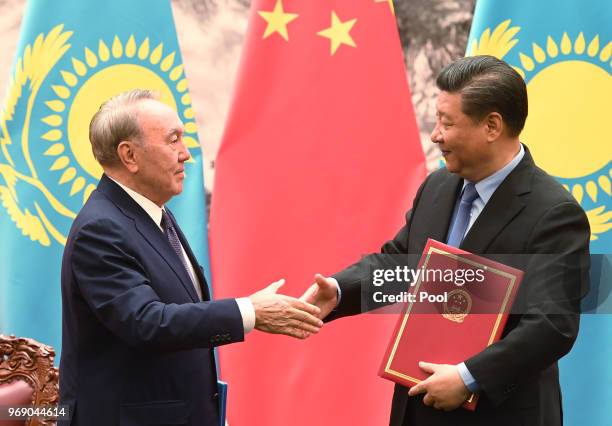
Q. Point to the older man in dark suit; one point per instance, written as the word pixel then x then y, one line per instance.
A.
pixel 139 327
pixel 490 199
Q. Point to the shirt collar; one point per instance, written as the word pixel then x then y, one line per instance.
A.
pixel 152 209
pixel 487 186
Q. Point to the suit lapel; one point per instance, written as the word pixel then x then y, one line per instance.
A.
pixel 503 206
pixel 443 207
pixel 159 242
pixel 149 230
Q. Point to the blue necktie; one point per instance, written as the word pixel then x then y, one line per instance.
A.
pixel 463 215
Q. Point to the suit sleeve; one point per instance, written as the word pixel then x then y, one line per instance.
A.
pixel 117 289
pixel 555 280
pixel 350 279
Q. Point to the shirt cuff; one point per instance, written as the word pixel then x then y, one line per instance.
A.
pixel 338 291
pixel 248 313
pixel 468 379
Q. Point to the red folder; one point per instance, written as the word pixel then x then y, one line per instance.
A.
pixel 471 317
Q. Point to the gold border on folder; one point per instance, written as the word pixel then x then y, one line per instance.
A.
pixel 456 257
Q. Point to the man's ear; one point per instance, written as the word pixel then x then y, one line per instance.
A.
pixel 127 155
pixel 494 126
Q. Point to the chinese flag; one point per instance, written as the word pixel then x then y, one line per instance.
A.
pixel 319 163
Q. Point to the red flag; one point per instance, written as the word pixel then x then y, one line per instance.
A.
pixel 319 162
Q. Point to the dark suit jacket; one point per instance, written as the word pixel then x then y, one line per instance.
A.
pixel 137 344
pixel 529 213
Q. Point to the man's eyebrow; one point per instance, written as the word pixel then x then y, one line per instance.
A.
pixel 174 131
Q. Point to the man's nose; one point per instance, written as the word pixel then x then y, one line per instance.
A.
pixel 436 135
pixel 184 155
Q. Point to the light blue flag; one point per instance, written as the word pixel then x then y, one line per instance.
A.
pixel 563 50
pixel 72 56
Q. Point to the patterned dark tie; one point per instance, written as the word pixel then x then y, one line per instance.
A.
pixel 168 227
pixel 463 215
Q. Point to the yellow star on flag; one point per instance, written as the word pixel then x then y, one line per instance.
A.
pixel 338 33
pixel 277 20
pixel 390 4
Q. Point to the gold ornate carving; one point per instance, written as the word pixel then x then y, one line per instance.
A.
pixel 30 361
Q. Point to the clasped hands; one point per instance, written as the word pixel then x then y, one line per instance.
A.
pixel 280 314
pixel 444 389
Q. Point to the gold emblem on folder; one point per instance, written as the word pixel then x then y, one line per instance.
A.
pixel 457 306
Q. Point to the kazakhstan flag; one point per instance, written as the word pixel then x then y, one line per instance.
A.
pixel 72 56
pixel 563 50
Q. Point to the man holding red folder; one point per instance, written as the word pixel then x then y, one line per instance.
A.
pixel 490 199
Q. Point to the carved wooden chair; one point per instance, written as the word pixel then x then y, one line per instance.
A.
pixel 27 377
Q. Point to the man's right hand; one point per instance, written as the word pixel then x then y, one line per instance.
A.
pixel 280 314
pixel 323 294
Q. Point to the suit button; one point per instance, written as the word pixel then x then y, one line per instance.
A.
pixel 215 396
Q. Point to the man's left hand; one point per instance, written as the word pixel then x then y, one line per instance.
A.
pixel 444 389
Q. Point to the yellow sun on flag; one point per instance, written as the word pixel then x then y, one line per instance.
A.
pixel 571 96
pixel 95 77
pixel 569 84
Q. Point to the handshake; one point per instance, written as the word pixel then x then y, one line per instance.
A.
pixel 280 314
